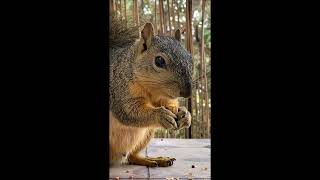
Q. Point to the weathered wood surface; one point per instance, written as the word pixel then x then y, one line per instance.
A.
pixel 188 152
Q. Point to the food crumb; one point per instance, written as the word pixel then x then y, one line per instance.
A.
pixel 193 166
pixel 127 171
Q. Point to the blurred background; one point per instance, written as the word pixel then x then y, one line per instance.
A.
pixel 193 18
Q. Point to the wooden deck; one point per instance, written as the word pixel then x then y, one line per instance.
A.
pixel 188 152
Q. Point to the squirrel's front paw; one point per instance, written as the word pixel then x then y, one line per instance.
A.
pixel 184 118
pixel 173 109
pixel 167 119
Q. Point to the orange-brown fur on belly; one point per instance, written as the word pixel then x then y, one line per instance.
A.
pixel 125 140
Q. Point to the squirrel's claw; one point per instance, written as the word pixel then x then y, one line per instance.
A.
pixel 163 161
pixel 183 118
pixel 167 119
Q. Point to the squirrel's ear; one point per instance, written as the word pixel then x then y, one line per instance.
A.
pixel 147 33
pixel 177 35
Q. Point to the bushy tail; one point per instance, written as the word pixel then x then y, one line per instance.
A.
pixel 122 33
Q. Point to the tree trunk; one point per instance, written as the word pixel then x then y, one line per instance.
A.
pixel 178 13
pixel 204 81
pixel 136 11
pixel 155 16
pixel 169 15
pixel 120 7
pixel 189 46
pixel 189 26
pixel 113 6
pixel 141 7
pixel 199 82
pixel 173 16
pixel 125 11
pixel 161 17
pixel 116 5
pixel 133 11
pixel 164 19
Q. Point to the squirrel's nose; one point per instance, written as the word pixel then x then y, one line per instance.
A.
pixel 186 90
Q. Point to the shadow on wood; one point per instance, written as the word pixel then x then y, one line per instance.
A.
pixel 193 160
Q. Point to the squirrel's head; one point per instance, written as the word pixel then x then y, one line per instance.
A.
pixel 162 65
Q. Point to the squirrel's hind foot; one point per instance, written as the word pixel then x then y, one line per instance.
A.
pixel 136 160
pixel 151 162
pixel 163 161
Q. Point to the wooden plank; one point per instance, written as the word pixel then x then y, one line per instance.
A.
pixel 192 143
pixel 182 167
pixel 128 171
pixel 188 152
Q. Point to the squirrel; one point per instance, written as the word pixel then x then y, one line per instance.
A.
pixel 148 73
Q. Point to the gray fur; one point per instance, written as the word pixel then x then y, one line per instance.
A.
pixel 123 65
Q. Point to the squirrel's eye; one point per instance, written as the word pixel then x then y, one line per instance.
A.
pixel 160 62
